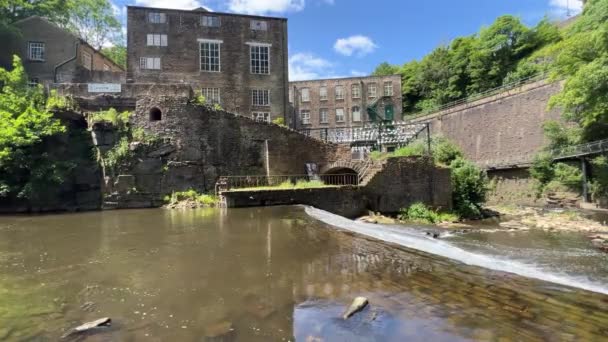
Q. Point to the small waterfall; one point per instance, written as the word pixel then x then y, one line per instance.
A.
pixel 411 238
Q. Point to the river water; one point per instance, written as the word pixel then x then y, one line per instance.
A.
pixel 278 274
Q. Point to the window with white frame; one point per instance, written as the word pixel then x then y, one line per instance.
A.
pixel 33 82
pixel 305 116
pixel 323 118
pixel 261 116
pixel 371 90
pixel 260 97
pixel 87 60
pixel 388 88
pixel 260 58
pixel 355 90
pixel 356 114
pixel 210 21
pixel 35 51
pixel 157 18
pixel 259 25
pixel 323 93
pixel 157 39
pixel 210 55
pixel 339 92
pixel 149 63
pixel 339 114
pixel 305 94
pixel 212 95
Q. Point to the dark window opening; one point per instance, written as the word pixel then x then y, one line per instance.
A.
pixel 155 114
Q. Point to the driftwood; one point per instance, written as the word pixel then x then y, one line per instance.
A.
pixel 358 304
pixel 98 323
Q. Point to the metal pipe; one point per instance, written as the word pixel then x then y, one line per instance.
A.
pixel 66 61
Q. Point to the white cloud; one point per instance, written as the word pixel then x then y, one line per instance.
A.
pixel 307 66
pixel 355 45
pixel 266 6
pixel 562 8
pixel 177 4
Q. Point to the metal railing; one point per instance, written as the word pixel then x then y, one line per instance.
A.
pixel 479 96
pixel 594 147
pixel 285 182
pixel 398 133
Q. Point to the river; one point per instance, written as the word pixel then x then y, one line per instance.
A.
pixel 281 274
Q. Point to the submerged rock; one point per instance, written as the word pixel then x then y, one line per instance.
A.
pixel 357 305
pixel 220 329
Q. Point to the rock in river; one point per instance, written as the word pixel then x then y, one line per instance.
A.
pixel 357 305
pixel 98 323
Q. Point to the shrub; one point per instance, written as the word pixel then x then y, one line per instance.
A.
pixel 569 175
pixel 118 120
pixel 420 213
pixel 470 185
pixel 191 195
pixel 279 121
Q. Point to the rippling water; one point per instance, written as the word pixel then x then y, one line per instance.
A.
pixel 263 274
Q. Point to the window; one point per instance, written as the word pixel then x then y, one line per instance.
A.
pixel 157 18
pixel 355 89
pixel 35 51
pixel 259 25
pixel 290 95
pixel 149 63
pixel 156 39
pixel 258 116
pixel 212 95
pixel 388 88
pixel 210 55
pixel 210 21
pixel 323 116
pixel 155 114
pixel 305 95
pixel 339 114
pixel 339 92
pixel 260 97
pixel 260 59
pixel 356 114
pixel 33 82
pixel 305 117
pixel 323 93
pixel 86 60
pixel 106 67
pixel 371 90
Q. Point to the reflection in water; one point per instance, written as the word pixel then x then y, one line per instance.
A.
pixel 263 274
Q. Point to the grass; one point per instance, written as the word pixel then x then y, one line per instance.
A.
pixel 288 185
pixel 191 196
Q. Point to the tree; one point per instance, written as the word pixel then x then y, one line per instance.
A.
pixel 56 11
pixel 385 69
pixel 24 124
pixel 116 53
pixel 94 22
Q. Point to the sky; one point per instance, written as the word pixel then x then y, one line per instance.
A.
pixel 343 38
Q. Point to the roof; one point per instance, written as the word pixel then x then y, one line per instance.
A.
pixel 346 78
pixel 69 33
pixel 198 10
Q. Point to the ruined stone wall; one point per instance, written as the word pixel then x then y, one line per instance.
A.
pixel 512 187
pixel 505 128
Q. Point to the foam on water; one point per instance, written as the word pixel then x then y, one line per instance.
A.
pixel 413 239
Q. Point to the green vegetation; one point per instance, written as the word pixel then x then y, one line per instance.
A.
pixel 279 121
pixel 25 124
pixel 469 183
pixel 119 120
pixel 191 196
pixel 117 53
pixel 420 213
pixel 289 185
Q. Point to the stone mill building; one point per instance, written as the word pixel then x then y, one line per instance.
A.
pixel 236 61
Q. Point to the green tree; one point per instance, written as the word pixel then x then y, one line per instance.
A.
pixel 117 53
pixel 24 124
pixel 94 21
pixel 385 69
pixel 469 188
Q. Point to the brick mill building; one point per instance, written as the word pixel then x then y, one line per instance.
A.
pixel 345 102
pixel 237 61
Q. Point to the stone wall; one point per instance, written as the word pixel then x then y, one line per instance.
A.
pixel 502 129
pixel 512 186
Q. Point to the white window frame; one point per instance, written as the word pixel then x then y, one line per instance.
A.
pixel 149 63
pixel 355 90
pixel 307 92
pixel 323 93
pixel 210 65
pixel 372 90
pixel 156 39
pixel 33 82
pixel 305 116
pixel 258 25
pixel 357 117
pixel 323 116
pixel 211 21
pixel 260 97
pixel 388 88
pixel 255 64
pixel 87 60
pixel 36 51
pixel 340 118
pixel 261 116
pixel 212 95
pixel 339 92
pixel 157 17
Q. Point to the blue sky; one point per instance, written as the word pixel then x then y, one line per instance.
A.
pixel 341 38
